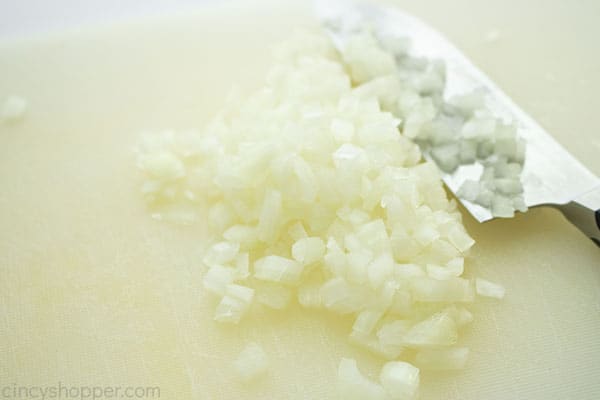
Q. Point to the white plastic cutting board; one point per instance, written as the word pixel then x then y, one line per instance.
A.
pixel 94 292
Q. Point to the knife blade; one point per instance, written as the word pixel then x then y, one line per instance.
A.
pixel 550 176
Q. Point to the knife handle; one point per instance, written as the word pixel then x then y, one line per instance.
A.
pixel 584 213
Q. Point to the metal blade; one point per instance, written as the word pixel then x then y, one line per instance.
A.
pixel 550 174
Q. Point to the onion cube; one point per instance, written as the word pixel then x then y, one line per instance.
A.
pixel 489 289
pixel 353 385
pixel 252 363
pixel 400 380
pixel 278 269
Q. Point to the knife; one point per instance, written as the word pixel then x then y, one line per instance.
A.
pixel 550 175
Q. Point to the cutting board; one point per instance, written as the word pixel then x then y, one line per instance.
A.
pixel 95 292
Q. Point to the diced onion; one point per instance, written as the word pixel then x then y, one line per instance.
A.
pixel 340 296
pixel 437 330
pixel 309 295
pixel 234 303
pixel 394 333
pixel 316 193
pixel 489 289
pixel 13 109
pixel 400 380
pixel 353 385
pixel 217 278
pixel 277 269
pixel 221 253
pixel 366 321
pixel 308 250
pixel 252 363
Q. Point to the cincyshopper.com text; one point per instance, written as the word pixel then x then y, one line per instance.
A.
pixel 62 391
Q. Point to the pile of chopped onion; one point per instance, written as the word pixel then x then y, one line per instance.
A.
pixel 317 195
